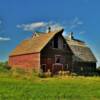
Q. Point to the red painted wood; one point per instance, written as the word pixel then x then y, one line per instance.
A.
pixel 25 61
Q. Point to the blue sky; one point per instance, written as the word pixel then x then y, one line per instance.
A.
pixel 19 18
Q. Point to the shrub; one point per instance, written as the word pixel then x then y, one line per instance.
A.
pixel 4 67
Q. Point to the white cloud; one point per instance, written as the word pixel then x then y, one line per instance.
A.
pixel 37 25
pixel 4 39
pixel 76 22
pixel 32 26
pixel 2 31
pixel 74 25
pixel 82 32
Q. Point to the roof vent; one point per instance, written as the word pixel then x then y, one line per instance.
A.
pixel 49 29
pixel 70 36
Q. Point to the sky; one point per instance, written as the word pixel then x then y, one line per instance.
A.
pixel 20 18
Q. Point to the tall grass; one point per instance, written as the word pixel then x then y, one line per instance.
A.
pixel 58 88
pixel 22 85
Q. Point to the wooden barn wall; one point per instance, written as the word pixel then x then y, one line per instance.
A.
pixel 48 55
pixel 84 67
pixel 25 61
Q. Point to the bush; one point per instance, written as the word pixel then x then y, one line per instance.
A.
pixel 4 67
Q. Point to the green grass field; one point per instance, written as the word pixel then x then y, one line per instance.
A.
pixel 57 88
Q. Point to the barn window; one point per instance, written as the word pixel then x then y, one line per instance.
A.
pixel 56 42
pixel 57 59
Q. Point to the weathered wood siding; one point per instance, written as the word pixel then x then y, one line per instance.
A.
pixel 84 67
pixel 48 54
pixel 25 61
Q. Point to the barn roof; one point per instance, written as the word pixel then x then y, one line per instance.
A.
pixel 34 44
pixel 81 51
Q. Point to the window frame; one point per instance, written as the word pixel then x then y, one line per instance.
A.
pixel 60 56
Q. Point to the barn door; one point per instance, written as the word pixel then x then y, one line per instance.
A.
pixel 49 63
pixel 58 65
pixel 56 68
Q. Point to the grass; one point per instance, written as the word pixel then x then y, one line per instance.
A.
pixel 22 86
pixel 57 88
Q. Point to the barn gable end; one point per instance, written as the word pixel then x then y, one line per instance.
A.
pixel 56 50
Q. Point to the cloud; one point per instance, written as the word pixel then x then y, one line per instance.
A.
pixel 76 22
pixel 31 26
pixel 2 31
pixel 40 25
pixel 69 26
pixel 74 25
pixel 4 39
pixel 82 32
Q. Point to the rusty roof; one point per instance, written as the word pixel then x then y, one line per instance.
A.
pixel 34 44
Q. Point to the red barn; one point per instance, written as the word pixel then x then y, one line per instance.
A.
pixel 47 51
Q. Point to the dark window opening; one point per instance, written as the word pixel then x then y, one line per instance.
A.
pixel 57 59
pixel 55 42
